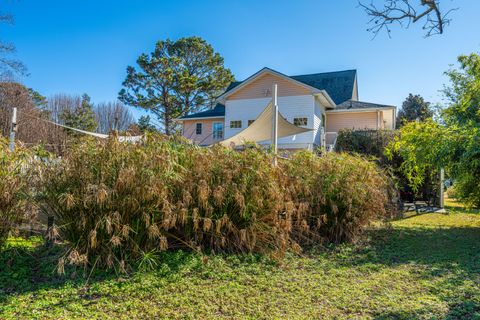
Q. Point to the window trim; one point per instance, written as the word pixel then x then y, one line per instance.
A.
pixel 214 136
pixel 235 127
pixel 197 126
pixel 301 118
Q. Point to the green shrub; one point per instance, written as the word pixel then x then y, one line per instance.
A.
pixel 374 143
pixel 342 193
pixel 117 202
pixel 13 185
pixel 366 142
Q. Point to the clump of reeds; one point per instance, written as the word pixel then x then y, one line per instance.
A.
pixel 13 187
pixel 114 202
pixel 340 193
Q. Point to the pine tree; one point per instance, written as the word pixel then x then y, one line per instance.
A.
pixel 177 78
pixel 144 124
pixel 80 116
pixel 414 108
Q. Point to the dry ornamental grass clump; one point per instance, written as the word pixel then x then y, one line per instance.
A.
pixel 116 202
pixel 13 188
pixel 338 194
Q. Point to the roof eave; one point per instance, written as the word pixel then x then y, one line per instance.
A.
pixel 362 109
pixel 327 97
pixel 199 118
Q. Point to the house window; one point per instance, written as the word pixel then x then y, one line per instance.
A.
pixel 300 121
pixel 217 130
pixel 235 124
pixel 250 122
pixel 198 129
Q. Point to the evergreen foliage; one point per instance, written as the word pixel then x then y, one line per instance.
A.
pixel 177 78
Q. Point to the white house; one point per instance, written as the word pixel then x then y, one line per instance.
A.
pixel 323 102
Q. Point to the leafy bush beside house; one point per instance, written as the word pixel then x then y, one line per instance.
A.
pixel 375 143
pixel 366 142
pixel 432 145
pixel 453 141
pixel 115 203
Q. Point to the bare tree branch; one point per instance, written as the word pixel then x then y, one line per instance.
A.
pixel 9 66
pixel 113 116
pixel 406 12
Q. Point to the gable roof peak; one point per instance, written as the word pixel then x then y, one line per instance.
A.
pixel 339 85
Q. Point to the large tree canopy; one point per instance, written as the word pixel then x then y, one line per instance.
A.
pixel 454 141
pixel 177 78
pixel 464 93
pixel 414 108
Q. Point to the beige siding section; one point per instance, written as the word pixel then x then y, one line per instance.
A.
pixel 262 87
pixel 206 138
pixel 351 120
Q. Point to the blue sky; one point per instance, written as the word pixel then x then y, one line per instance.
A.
pixel 85 46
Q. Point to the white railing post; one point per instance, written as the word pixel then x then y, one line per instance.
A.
pixel 13 129
pixel 275 123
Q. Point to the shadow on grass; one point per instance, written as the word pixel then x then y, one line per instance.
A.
pixel 461 209
pixel 439 249
pixel 448 258
pixel 28 268
pixel 468 309
pixel 413 214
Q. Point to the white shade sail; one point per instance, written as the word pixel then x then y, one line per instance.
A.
pixel 100 135
pixel 261 129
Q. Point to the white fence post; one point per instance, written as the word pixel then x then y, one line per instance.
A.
pixel 442 195
pixel 13 129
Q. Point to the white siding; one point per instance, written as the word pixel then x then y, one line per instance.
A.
pixel 317 133
pixel 290 107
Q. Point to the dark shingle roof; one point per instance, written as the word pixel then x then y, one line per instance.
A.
pixel 339 85
pixel 233 85
pixel 352 104
pixel 218 111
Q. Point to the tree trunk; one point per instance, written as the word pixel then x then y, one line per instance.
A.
pixel 167 121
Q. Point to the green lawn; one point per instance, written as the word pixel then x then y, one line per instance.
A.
pixel 425 266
